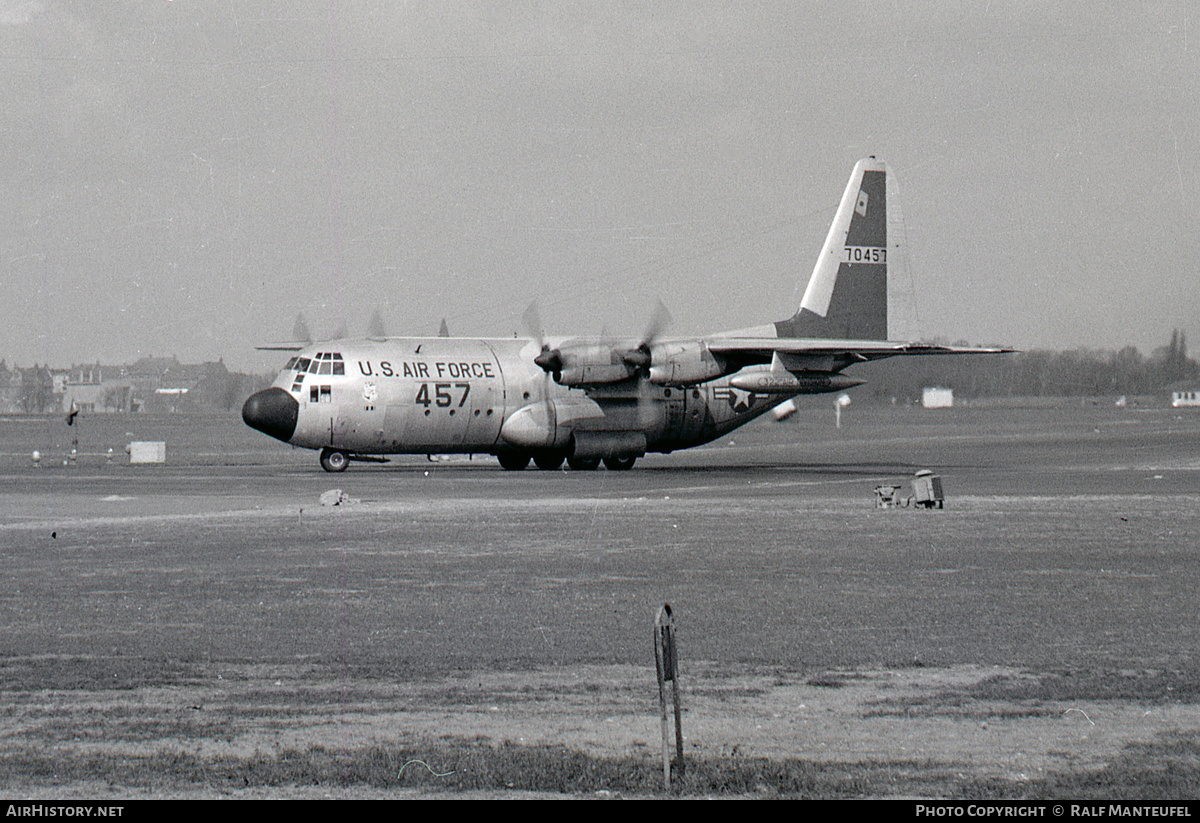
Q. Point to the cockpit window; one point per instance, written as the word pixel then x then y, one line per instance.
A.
pixel 323 362
pixel 291 362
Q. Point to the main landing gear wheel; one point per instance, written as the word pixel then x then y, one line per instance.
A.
pixel 585 464
pixel 333 460
pixel 548 462
pixel 619 464
pixel 513 461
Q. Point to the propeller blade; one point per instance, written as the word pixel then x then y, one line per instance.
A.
pixel 659 321
pixel 532 320
pixel 648 410
pixel 550 360
pixel 640 357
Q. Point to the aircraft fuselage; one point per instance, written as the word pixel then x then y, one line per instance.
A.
pixel 483 396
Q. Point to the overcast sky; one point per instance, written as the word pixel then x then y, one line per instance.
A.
pixel 183 178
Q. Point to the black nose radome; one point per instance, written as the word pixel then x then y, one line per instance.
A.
pixel 272 411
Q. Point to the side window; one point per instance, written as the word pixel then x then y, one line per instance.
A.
pixel 312 394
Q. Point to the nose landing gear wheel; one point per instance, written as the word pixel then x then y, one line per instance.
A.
pixel 333 460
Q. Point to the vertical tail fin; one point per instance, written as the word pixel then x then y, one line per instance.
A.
pixel 847 295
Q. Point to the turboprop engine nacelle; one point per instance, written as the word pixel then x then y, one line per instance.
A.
pixel 786 382
pixel 580 366
pixel 684 364
pixel 593 374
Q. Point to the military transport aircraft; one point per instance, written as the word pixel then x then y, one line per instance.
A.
pixel 591 400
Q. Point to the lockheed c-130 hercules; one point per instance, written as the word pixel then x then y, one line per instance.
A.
pixel 591 400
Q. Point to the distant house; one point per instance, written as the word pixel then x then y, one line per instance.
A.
pixel 935 397
pixel 161 384
pixel 94 388
pixel 152 384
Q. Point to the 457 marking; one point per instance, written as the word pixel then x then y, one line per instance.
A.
pixel 443 396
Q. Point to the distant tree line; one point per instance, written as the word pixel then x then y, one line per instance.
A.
pixel 227 391
pixel 37 389
pixel 1035 373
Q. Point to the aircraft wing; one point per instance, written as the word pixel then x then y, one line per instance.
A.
pixel 826 354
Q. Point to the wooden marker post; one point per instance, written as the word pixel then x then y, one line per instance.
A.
pixel 666 662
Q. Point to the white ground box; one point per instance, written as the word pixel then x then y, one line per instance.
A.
pixel 148 451
pixel 936 397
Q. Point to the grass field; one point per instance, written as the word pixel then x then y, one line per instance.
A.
pixel 207 627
